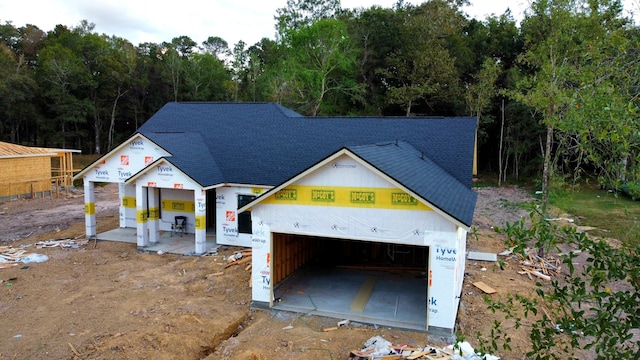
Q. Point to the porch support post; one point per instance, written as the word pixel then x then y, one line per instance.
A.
pixel 122 209
pixel 154 215
pixel 142 233
pixel 201 221
pixel 89 208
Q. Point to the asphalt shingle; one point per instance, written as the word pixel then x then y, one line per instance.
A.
pixel 408 166
pixel 267 144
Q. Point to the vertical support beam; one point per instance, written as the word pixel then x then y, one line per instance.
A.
pixel 89 208
pixel 142 236
pixel 121 208
pixel 200 197
pixel 154 215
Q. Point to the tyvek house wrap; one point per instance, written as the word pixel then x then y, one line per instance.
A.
pixel 344 199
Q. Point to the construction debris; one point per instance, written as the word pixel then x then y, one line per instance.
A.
pixel 239 257
pixel 377 348
pixel 62 243
pixel 10 256
pixel 484 287
pixel 534 265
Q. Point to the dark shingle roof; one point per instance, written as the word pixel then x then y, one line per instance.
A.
pixel 198 163
pixel 266 144
pixel 408 166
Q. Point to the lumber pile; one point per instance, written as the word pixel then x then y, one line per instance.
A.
pixel 536 266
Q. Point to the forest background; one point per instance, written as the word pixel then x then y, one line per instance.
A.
pixel 556 94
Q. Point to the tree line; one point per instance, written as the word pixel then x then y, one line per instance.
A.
pixel 555 94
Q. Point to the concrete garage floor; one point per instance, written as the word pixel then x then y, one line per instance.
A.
pixel 373 297
pixel 389 299
pixel 176 244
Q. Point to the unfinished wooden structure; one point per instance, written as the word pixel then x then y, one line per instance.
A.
pixel 34 171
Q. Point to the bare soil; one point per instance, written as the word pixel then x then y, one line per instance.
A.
pixel 107 300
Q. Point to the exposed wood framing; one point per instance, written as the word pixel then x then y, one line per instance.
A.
pixel 34 172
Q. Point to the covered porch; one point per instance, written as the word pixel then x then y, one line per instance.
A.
pixel 176 244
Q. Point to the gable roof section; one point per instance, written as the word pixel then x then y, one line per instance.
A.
pixel 125 143
pixel 163 160
pixel 198 164
pixel 402 164
pixel 266 144
pixel 409 167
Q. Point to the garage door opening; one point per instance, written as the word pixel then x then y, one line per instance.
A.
pixel 371 282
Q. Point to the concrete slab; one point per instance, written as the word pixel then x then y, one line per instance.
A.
pixel 183 245
pixel 397 300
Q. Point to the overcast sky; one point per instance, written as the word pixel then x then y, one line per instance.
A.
pixel 162 20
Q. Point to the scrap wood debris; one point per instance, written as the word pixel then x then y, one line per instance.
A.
pixel 62 243
pixel 239 257
pixel 534 265
pixel 377 348
pixel 10 256
pixel 537 266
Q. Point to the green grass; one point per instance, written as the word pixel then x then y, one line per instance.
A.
pixel 614 216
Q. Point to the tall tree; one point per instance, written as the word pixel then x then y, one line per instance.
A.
pixel 205 78
pixel 175 56
pixel 216 45
pixel 318 55
pixel 17 84
pixel 121 60
pixel 569 42
pixel 422 69
pixel 553 34
pixel 240 58
pixel 303 13
pixel 479 95
pixel 374 32
pixel 62 74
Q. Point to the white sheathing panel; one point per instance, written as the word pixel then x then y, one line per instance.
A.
pixel 460 267
pixel 379 225
pixel 345 199
pixel 446 267
pixel 127 195
pixel 344 171
pixel 165 175
pixel 261 288
pixel 126 161
pixel 227 215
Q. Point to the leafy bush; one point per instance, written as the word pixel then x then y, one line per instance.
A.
pixel 593 307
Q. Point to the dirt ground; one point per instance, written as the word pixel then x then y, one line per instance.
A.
pixel 106 300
